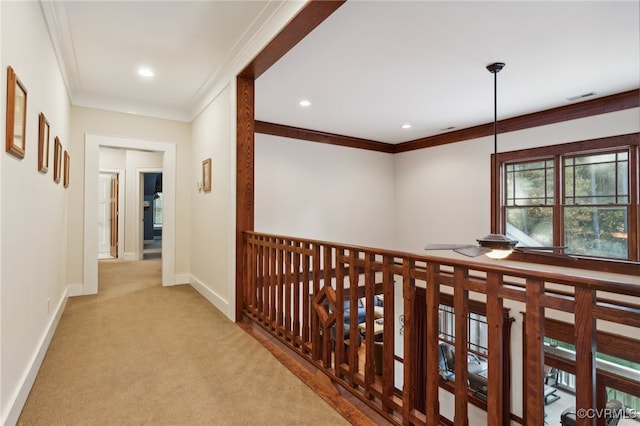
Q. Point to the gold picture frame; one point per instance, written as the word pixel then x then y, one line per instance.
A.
pixel 206 175
pixel 16 126
pixel 57 160
pixel 43 144
pixel 65 174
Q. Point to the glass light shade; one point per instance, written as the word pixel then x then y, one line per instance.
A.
pixel 498 254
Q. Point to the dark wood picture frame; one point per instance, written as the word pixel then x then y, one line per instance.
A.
pixel 16 125
pixel 57 160
pixel 65 174
pixel 43 143
pixel 206 175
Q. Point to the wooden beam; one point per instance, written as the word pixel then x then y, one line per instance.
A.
pixel 311 15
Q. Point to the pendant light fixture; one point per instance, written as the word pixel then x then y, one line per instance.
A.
pixel 500 245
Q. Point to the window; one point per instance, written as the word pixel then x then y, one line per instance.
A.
pixel 582 196
pixel 157 210
pixel 477 325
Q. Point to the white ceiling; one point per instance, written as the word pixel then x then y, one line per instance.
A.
pixel 101 44
pixel 369 68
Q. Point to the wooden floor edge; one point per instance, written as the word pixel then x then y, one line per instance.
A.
pixel 349 407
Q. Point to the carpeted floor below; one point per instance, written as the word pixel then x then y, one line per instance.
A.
pixel 139 353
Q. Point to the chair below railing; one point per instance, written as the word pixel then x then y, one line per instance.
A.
pixel 323 301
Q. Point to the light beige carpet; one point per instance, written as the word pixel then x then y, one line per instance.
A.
pixel 138 353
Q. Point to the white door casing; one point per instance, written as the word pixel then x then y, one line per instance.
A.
pixel 93 143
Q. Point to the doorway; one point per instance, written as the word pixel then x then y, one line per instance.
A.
pixel 152 214
pixel 93 143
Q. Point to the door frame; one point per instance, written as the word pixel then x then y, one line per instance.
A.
pixel 93 143
pixel 121 193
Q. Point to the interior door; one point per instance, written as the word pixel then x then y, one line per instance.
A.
pixel 114 216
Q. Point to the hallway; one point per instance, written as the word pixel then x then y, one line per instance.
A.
pixel 139 353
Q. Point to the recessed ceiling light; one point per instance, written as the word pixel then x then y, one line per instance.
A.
pixel 146 72
pixel 305 103
pixel 406 126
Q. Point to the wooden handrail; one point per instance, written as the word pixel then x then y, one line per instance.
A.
pixel 297 288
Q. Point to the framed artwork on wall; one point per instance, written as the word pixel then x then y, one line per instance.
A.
pixel 206 175
pixel 65 175
pixel 16 125
pixel 57 160
pixel 43 144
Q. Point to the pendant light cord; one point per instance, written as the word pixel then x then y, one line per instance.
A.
pixel 495 69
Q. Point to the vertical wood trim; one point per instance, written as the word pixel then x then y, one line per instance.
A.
pixel 354 278
pixel 388 334
pixel 433 372
pixel 369 290
pixel 315 327
pixel 245 150
pixel 288 283
pixel 461 312
pixel 495 321
pixel 585 332
pixel 297 282
pixel 409 293
pixel 340 300
pixel 534 360
pixel 305 294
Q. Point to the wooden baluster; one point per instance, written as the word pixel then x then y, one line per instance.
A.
pixel 296 283
pixel 432 403
pixel 306 279
pixel 340 300
pixel 495 321
pixel 534 362
pixel 272 283
pixel 369 290
pixel 461 312
pixel 287 288
pixel 387 335
pixel 316 348
pixel 585 333
pixel 279 285
pixel 354 279
pixel 409 294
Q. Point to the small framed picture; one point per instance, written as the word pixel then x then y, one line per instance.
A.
pixel 206 175
pixel 43 144
pixel 57 160
pixel 65 174
pixel 16 115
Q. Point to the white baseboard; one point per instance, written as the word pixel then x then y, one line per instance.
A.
pixel 18 400
pixel 216 300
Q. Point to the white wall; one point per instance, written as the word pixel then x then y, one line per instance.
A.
pixel 34 211
pixel 324 192
pixel 212 213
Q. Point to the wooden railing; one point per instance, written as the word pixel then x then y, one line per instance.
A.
pixel 296 289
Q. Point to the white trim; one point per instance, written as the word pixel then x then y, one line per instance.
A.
pixel 16 403
pixel 216 300
pixel 93 143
